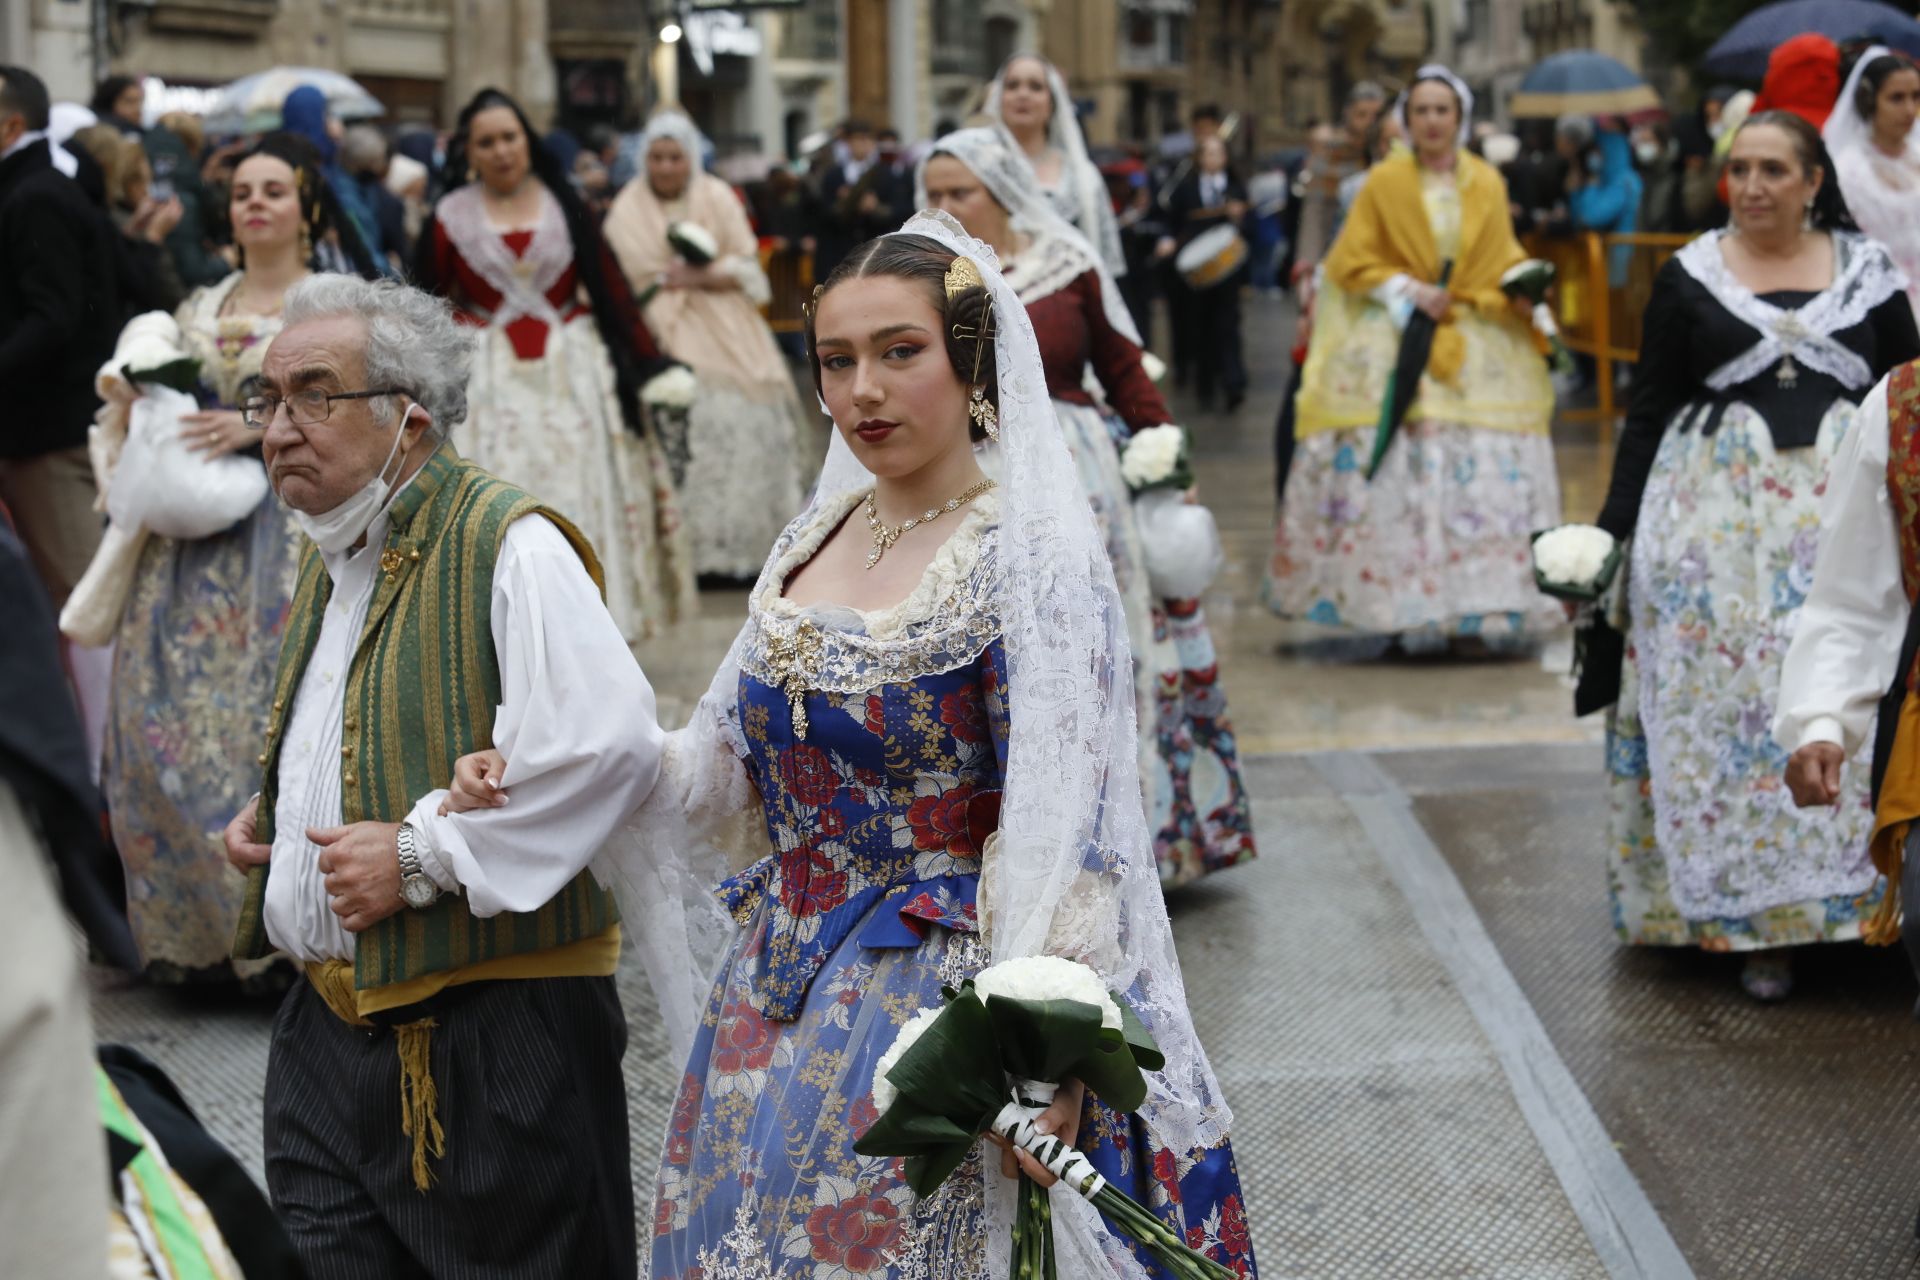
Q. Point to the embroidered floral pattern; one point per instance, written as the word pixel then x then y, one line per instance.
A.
pixel 1705 845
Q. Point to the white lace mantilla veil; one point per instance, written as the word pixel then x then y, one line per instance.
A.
pixel 1071 871
pixel 997 162
pixel 1080 180
pixel 1845 127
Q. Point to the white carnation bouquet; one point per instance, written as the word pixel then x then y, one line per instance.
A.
pixel 1575 561
pixel 668 398
pixel 693 242
pixel 1530 280
pixel 1180 541
pixel 991 1060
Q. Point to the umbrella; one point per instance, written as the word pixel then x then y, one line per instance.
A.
pixel 1416 344
pixel 251 104
pixel 1741 54
pixel 1581 82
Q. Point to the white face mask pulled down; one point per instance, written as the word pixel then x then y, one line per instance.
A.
pixel 333 531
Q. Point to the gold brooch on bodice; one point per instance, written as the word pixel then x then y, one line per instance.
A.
pixel 794 660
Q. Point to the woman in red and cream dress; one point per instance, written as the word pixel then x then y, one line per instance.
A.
pixel 553 404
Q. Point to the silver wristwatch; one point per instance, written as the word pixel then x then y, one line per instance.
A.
pixel 417 888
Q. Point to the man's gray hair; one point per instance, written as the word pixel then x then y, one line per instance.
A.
pixel 1366 91
pixel 413 341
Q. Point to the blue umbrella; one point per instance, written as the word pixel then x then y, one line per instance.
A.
pixel 1742 53
pixel 1581 82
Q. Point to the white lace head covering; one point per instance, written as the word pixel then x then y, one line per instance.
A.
pixel 1071 871
pixel 1434 71
pixel 674 125
pixel 1082 195
pixel 1846 127
pixel 997 162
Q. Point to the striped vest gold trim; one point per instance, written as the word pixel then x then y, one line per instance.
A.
pixel 421 692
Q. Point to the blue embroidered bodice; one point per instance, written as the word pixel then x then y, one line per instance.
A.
pixel 877 743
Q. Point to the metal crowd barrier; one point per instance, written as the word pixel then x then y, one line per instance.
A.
pixel 1596 318
pixel 790 275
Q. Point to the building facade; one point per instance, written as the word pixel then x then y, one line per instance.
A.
pixel 1492 43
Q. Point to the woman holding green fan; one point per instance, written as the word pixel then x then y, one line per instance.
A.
pixel 923 741
pixel 1410 521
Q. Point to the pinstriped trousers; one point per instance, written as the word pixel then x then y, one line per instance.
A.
pixel 535 1182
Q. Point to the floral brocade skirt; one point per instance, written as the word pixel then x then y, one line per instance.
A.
pixel 1705 846
pixel 552 426
pixel 1438 545
pixel 759 1178
pixel 193 668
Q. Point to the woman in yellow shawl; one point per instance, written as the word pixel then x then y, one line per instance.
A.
pixel 1436 547
pixel 738 469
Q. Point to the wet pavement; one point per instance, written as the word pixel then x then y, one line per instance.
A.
pixel 1441 1063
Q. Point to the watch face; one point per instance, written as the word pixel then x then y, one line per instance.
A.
pixel 419 891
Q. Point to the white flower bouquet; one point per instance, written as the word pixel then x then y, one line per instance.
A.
pixel 668 399
pixel 1531 280
pixel 990 1060
pixel 1575 561
pixel 1157 458
pixel 693 242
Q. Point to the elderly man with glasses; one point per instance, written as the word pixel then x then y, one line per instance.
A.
pixel 444 1094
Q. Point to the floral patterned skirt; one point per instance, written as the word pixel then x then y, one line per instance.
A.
pixel 553 427
pixel 759 1179
pixel 1189 759
pixel 1197 802
pixel 193 668
pixel 1437 545
pixel 1706 847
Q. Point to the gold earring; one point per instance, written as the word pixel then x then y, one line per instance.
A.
pixel 982 413
pixel 306 244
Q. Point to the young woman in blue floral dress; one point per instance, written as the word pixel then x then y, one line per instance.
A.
pixel 926 724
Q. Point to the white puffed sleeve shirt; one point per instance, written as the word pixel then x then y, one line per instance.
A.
pixel 576 723
pixel 1848 637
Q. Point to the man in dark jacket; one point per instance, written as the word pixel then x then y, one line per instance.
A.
pixel 58 324
pixel 53 1224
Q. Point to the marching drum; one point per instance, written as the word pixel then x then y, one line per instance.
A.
pixel 1212 257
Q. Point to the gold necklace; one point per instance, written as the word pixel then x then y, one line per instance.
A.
pixel 884 536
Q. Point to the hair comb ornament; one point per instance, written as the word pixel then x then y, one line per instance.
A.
pixel 963 275
pixel 808 307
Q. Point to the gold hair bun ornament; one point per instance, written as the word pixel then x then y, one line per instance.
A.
pixel 964 275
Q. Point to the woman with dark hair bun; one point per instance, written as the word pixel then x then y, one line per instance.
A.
pixel 199 632
pixel 1876 158
pixel 1760 340
pixel 560 353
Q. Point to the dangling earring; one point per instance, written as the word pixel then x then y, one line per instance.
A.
pixel 1806 217
pixel 982 413
pixel 306 244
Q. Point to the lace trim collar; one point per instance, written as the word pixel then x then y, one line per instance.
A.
pixel 1864 277
pixel 944 623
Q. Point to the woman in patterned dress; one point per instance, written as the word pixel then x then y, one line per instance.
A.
pixel 1760 341
pixel 924 732
pixel 196 647
pixel 1189 758
pixel 559 355
pixel 1436 547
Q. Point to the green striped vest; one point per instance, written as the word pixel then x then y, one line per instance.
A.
pixel 420 693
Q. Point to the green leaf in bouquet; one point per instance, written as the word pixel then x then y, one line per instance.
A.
pixel 1043 1039
pixel 1530 280
pixel 181 375
pixel 1146 1050
pixel 933 1144
pixel 954 1068
pixel 926 1173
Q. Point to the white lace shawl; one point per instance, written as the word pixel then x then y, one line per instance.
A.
pixel 523 282
pixel 1864 277
pixel 1081 198
pixel 1059 254
pixel 1073 871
